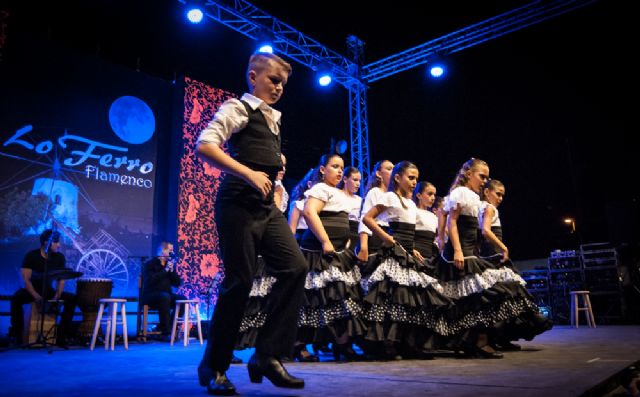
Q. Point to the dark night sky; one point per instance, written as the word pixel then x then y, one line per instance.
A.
pixel 544 106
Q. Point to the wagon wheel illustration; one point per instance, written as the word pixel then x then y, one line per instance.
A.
pixel 103 263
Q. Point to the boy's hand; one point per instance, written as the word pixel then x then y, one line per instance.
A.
pixel 260 181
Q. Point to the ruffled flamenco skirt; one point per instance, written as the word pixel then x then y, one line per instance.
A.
pixel 332 306
pixel 403 304
pixel 490 297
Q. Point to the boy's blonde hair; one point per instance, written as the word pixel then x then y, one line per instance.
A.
pixel 260 61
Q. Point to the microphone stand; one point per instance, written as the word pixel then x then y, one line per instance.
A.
pixel 140 289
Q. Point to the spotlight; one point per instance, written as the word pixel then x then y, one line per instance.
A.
pixel 324 74
pixel 324 79
pixel 264 41
pixel 341 146
pixel 436 66
pixel 265 48
pixel 436 71
pixel 194 12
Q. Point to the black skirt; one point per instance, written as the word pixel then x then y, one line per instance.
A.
pixel 489 295
pixel 486 247
pixel 332 299
pixel 403 304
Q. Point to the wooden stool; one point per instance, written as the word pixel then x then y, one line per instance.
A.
pixel 111 322
pixel 191 310
pixel 586 307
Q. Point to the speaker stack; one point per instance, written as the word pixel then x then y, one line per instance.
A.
pixel 594 267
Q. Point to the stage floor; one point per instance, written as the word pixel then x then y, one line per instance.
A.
pixel 561 362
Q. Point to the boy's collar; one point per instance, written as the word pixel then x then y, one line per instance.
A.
pixel 255 103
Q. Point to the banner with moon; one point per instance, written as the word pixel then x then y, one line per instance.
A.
pixel 78 144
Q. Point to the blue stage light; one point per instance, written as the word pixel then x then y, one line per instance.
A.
pixel 264 41
pixel 195 15
pixel 437 71
pixel 324 79
pixel 265 48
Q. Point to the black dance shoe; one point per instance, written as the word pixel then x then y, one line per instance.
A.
pixel 270 367
pixel 205 374
pixel 426 354
pixel 301 354
pixel 485 351
pixel 507 346
pixel 391 353
pixel 221 385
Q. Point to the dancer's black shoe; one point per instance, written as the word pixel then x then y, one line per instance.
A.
pixel 261 365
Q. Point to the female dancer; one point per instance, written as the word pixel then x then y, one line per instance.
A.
pixel 403 305
pixel 376 187
pixel 424 196
pixel 350 184
pixel 332 308
pixel 489 298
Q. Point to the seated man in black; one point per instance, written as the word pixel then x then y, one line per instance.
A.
pixel 158 278
pixel 32 272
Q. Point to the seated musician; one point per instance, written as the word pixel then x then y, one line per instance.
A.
pixel 158 277
pixel 32 272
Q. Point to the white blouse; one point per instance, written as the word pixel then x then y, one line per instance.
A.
pixel 395 211
pixel 299 204
pixel 285 197
pixel 355 203
pixel 372 199
pixel 495 221
pixel 335 200
pixel 426 220
pixel 464 199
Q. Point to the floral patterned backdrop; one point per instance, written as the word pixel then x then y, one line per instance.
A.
pixel 200 263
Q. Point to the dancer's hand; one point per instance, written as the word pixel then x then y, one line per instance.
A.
pixel 260 181
pixel 458 259
pixel 388 241
pixel 505 255
pixel 328 249
pixel 418 255
pixel 363 254
pixel 439 243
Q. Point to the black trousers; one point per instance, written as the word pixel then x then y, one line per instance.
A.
pixel 244 232
pixel 165 304
pixel 22 296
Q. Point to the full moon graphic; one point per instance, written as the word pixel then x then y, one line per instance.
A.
pixel 132 119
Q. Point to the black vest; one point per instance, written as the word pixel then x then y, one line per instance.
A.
pixel 259 149
pixel 256 145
